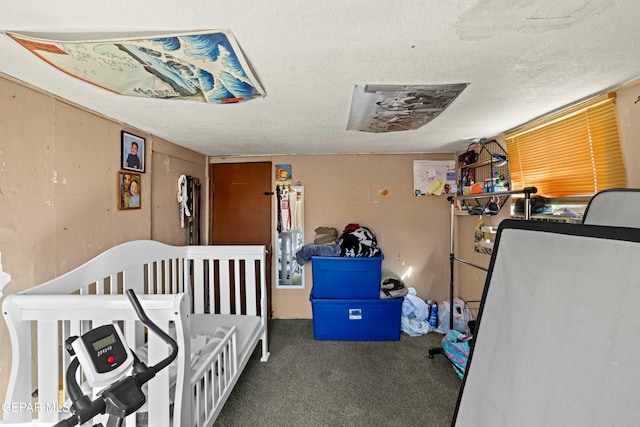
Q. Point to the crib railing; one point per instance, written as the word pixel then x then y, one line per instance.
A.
pixel 233 279
pixel 208 279
pixel 56 317
pixel 211 381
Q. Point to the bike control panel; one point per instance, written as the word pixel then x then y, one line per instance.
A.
pixel 103 355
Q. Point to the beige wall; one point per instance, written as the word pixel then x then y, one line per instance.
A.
pixel 412 231
pixel 58 191
pixel 628 109
pixel 169 162
pixel 58 167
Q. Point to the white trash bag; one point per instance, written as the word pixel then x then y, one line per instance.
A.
pixel 461 316
pixel 415 313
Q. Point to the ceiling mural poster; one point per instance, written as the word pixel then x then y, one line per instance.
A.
pixel 204 66
pixel 392 108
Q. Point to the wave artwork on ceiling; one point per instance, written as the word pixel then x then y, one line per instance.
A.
pixel 204 66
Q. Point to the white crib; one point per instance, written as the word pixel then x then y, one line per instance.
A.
pixel 189 291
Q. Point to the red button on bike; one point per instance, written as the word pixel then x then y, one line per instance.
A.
pixel 111 359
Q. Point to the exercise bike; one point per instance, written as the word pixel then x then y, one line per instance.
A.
pixel 106 362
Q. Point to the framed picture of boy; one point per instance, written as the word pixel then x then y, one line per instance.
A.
pixel 132 152
pixel 129 186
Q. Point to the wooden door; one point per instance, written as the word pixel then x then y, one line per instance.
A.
pixel 240 201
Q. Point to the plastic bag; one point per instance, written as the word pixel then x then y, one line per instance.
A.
pixel 414 327
pixel 414 307
pixel 461 316
pixel 414 316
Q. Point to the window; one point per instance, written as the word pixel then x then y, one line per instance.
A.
pixel 576 153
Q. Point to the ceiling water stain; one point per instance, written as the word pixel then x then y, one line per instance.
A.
pixel 492 17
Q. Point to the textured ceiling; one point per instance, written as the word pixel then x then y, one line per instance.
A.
pixel 521 60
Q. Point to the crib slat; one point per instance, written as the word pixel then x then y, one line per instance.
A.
pixel 72 328
pixel 225 291
pixel 133 278
pixel 159 285
pixel 151 281
pixel 180 274
pixel 211 286
pixel 75 328
pixel 177 275
pixel 66 357
pixel 173 284
pixel 162 273
pixel 251 287
pixel 236 285
pixel 233 360
pixel 100 287
pixel 198 291
pixel 197 402
pixel 146 270
pixel 48 371
pixel 113 282
pixel 168 277
pixel 133 333
pixel 158 403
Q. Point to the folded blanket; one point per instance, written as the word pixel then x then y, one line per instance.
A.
pixel 391 285
pixel 310 249
pixel 325 235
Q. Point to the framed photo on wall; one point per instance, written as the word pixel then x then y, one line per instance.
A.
pixel 132 152
pixel 129 186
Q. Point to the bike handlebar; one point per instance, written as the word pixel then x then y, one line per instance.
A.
pixel 149 324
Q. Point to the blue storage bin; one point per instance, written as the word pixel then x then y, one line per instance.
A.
pixel 344 277
pixel 356 319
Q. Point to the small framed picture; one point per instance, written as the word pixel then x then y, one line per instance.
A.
pixel 132 152
pixel 129 186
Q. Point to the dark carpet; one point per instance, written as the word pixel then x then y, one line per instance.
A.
pixel 342 383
